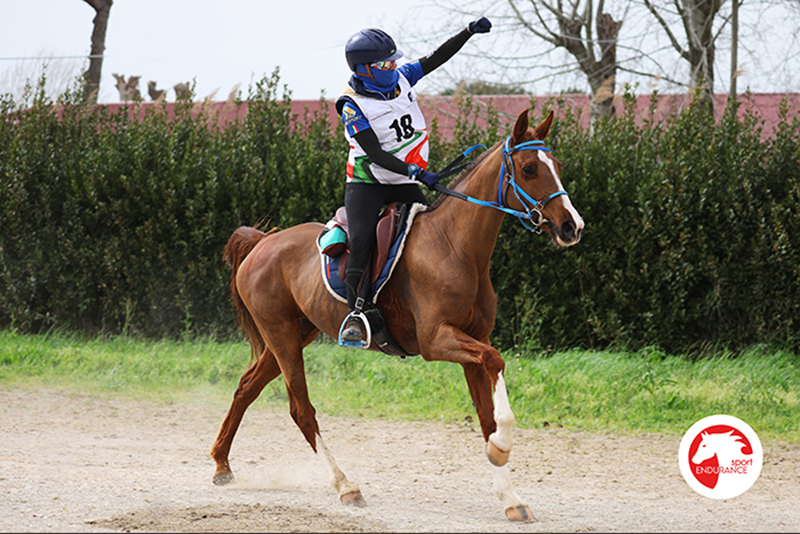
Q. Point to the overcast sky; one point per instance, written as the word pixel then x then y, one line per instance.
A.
pixel 217 43
pixel 222 43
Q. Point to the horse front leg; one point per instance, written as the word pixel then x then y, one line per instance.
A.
pixel 497 422
pixel 498 449
pixel 498 446
pixel 484 370
pixel 252 383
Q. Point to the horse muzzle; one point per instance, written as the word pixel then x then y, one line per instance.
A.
pixel 566 234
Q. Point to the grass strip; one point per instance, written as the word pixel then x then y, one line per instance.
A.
pixel 645 391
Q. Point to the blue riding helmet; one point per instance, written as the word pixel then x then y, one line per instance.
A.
pixel 370 46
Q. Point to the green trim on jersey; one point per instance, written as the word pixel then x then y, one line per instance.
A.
pixel 361 171
pixel 413 139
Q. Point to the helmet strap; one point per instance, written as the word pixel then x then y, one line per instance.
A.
pixel 368 74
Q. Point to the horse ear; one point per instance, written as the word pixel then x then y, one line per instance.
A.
pixel 520 127
pixel 541 131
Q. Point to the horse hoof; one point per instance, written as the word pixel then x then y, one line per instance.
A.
pixel 496 456
pixel 221 479
pixel 353 498
pixel 521 512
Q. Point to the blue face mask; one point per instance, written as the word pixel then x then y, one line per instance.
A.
pixel 381 81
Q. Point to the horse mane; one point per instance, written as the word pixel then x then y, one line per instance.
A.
pixel 463 175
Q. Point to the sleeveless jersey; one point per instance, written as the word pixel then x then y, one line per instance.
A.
pixel 400 127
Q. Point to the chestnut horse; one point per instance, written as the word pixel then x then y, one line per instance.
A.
pixel 439 301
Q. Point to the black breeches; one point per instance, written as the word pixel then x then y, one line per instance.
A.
pixel 363 203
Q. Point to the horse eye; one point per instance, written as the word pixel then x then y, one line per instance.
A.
pixel 529 170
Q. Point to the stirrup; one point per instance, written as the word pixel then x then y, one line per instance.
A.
pixel 362 344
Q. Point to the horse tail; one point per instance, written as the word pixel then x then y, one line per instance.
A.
pixel 243 240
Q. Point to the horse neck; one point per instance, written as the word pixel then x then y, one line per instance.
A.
pixel 473 229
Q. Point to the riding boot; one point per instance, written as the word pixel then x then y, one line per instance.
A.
pixel 352 281
pixel 353 329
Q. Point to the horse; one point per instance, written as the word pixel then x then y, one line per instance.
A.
pixel 439 302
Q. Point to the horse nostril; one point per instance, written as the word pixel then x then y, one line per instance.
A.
pixel 568 229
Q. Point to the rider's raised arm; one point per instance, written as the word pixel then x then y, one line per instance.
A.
pixel 447 50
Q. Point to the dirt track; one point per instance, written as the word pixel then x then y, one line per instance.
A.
pixel 72 462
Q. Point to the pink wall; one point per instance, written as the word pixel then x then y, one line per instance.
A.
pixel 445 109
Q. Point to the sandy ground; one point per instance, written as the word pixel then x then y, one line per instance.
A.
pixel 73 462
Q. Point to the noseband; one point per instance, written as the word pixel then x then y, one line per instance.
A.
pixel 532 218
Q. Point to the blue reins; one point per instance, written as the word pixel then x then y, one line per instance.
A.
pixel 532 217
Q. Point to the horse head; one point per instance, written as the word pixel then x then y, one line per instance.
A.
pixel 535 176
pixel 723 443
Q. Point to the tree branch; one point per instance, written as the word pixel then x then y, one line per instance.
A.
pixel 650 75
pixel 529 27
pixel 675 44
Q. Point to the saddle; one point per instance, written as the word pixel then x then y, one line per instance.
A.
pixel 391 231
pixel 334 239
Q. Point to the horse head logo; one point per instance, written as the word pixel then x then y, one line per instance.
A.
pixel 724 445
pixel 720 456
pixel 715 452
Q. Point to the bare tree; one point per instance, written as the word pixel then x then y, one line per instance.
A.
pixel 586 41
pixel 154 93
pixel 128 89
pixel 587 32
pixel 92 75
pixel 698 47
pixel 769 39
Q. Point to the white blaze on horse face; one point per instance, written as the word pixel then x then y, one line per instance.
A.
pixel 564 198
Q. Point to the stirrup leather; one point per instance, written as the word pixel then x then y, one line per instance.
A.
pixel 357 314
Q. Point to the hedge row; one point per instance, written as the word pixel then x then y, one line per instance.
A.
pixel 692 239
pixel 111 224
pixel 114 224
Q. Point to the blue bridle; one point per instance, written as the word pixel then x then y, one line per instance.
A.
pixel 532 217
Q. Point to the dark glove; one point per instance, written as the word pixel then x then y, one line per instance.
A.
pixel 482 25
pixel 428 178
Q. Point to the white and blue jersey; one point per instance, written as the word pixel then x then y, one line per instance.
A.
pixel 398 124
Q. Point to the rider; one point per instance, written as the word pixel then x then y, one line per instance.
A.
pixel 388 143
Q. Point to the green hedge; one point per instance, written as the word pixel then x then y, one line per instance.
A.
pixel 691 239
pixel 113 224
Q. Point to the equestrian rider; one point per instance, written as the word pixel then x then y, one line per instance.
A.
pixel 388 143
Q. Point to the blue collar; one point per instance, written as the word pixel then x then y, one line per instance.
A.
pixel 357 84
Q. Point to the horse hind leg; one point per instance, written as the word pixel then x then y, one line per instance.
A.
pixel 349 494
pixel 250 387
pixel 304 416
